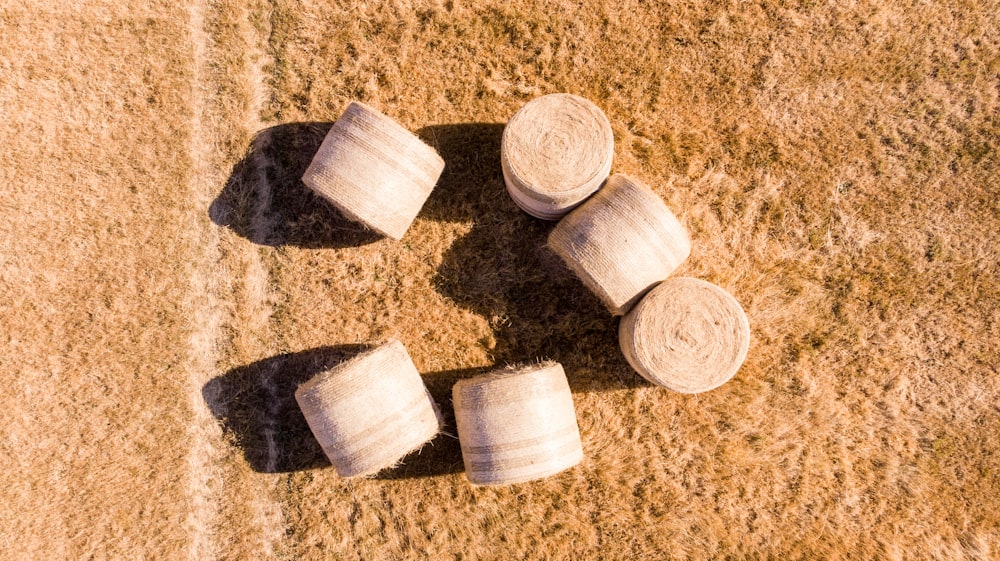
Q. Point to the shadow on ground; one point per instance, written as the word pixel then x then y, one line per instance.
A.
pixel 503 271
pixel 471 176
pixel 266 202
pixel 257 408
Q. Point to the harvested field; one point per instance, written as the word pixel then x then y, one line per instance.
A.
pixel 166 280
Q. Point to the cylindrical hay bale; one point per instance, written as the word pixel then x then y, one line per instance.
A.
pixel 621 242
pixel 374 170
pixel 517 424
pixel 370 411
pixel 555 152
pixel 687 335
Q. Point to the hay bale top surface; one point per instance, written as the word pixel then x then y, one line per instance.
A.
pixel 557 148
pixel 687 334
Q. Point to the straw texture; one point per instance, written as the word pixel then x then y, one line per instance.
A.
pixel 374 170
pixel 621 242
pixel 370 411
pixel 555 152
pixel 517 424
pixel 687 335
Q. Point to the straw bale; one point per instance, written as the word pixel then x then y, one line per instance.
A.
pixel 370 411
pixel 517 424
pixel 555 152
pixel 687 334
pixel 374 171
pixel 621 242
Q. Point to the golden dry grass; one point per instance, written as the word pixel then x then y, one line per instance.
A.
pixel 165 279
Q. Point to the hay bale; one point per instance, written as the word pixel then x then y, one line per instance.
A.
pixel 374 171
pixel 687 335
pixel 621 242
pixel 517 424
pixel 370 411
pixel 555 152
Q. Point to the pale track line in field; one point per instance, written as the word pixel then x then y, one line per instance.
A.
pixel 267 381
pixel 268 514
pixel 204 311
pixel 262 223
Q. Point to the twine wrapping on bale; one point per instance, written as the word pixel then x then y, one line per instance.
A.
pixel 517 424
pixel 370 411
pixel 621 242
pixel 555 152
pixel 687 335
pixel 374 171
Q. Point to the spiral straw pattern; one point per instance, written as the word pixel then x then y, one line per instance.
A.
pixel 374 171
pixel 369 412
pixel 621 242
pixel 687 335
pixel 517 424
pixel 555 152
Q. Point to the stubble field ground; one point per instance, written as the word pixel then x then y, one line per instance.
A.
pixel 166 280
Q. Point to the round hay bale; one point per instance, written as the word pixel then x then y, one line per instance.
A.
pixel 621 242
pixel 370 411
pixel 687 335
pixel 374 171
pixel 555 152
pixel 517 424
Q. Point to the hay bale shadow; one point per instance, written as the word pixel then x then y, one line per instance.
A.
pixel 256 406
pixel 265 201
pixel 471 153
pixel 257 409
pixel 503 271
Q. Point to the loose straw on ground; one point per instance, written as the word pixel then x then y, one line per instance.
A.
pixel 555 152
pixel 374 171
pixel 687 335
pixel 370 411
pixel 517 424
pixel 621 242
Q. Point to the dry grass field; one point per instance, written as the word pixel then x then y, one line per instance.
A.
pixel 166 280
